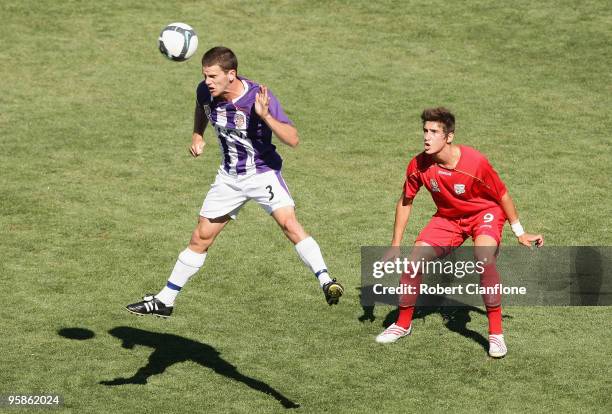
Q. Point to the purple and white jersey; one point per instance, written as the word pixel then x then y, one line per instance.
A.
pixel 245 139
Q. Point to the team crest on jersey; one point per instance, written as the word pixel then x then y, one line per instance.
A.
pixel 240 120
pixel 459 189
pixel 434 185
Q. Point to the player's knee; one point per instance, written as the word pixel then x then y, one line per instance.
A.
pixel 486 249
pixel 485 254
pixel 202 237
pixel 492 301
pixel 292 228
pixel 205 238
pixel 198 244
pixel 485 259
pixel 288 224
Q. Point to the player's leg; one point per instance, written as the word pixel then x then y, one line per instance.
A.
pixel 410 282
pixel 270 191
pixel 485 248
pixel 192 258
pixel 487 228
pixel 435 240
pixel 309 251
pixel 188 263
pixel 222 203
pixel 287 220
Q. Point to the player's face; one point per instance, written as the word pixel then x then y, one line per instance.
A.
pixel 217 79
pixel 434 138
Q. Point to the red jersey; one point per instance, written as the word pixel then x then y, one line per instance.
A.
pixel 469 188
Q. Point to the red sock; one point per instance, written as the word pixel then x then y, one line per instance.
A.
pixel 490 278
pixel 404 319
pixel 495 320
pixel 407 301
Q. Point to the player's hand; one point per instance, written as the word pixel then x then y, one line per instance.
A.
pixel 391 254
pixel 527 239
pixel 197 146
pixel 262 102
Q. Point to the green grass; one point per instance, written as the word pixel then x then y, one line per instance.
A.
pixel 99 196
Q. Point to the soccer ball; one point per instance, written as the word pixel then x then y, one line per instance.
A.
pixel 178 41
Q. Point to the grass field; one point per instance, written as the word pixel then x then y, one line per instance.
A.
pixel 99 195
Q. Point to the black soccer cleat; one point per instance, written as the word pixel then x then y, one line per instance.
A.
pixel 333 290
pixel 150 305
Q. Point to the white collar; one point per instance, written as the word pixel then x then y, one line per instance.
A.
pixel 246 89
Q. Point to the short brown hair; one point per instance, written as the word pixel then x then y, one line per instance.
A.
pixel 222 56
pixel 441 115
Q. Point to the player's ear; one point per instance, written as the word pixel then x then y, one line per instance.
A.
pixel 231 74
pixel 449 137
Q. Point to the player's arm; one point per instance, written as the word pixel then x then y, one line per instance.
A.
pixel 200 121
pixel 524 238
pixel 287 133
pixel 403 208
pixel 402 214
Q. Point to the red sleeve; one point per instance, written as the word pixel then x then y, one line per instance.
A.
pixel 413 179
pixel 494 187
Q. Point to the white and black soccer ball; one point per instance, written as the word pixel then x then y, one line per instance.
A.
pixel 178 41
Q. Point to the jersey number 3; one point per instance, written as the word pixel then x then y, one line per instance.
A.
pixel 269 188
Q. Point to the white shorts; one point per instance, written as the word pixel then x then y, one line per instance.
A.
pixel 227 195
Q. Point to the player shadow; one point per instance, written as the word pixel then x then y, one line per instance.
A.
pixel 171 349
pixel 455 314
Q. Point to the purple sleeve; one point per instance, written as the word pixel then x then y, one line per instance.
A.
pixel 276 110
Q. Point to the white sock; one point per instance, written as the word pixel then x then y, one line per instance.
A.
pixel 187 265
pixel 310 253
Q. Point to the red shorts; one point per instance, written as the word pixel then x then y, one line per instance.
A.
pixel 446 232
